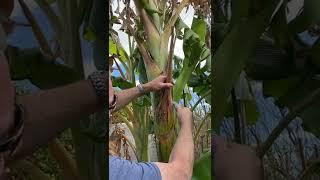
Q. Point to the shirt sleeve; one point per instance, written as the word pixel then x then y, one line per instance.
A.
pixel 121 169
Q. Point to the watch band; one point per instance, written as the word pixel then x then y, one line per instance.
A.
pixel 98 80
pixel 140 88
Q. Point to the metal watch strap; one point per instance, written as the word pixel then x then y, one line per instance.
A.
pixel 98 80
pixel 140 88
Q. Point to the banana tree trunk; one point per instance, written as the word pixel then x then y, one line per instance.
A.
pixel 165 130
pixel 141 131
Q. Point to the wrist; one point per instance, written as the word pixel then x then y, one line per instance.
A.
pixel 98 81
pixel 146 88
pixel 186 122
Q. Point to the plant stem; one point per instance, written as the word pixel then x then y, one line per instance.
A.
pixel 173 19
pixel 242 114
pixel 309 170
pixel 236 119
pixel 120 70
pixel 132 79
pixel 200 127
pixel 198 102
pixel 184 98
pixel 46 50
pixel 51 15
pixel 301 153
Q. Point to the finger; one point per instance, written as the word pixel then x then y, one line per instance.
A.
pixel 166 85
pixel 162 78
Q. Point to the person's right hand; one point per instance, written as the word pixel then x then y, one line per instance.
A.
pixel 184 114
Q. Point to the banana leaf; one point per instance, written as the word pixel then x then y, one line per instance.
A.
pixel 232 55
pixel 202 168
pixel 195 51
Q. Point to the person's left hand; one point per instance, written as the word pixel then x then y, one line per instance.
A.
pixel 157 84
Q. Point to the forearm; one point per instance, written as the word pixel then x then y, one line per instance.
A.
pixel 182 154
pixel 47 113
pixel 6 99
pixel 128 95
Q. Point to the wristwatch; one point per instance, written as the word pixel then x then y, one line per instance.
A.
pixel 98 80
pixel 140 88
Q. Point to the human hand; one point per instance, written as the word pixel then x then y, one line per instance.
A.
pixel 235 161
pixel 184 114
pixel 157 84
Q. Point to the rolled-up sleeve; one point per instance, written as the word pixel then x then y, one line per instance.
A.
pixel 121 169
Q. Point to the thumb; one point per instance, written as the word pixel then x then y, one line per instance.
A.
pixel 162 78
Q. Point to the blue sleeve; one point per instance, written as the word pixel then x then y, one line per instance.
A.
pixel 121 169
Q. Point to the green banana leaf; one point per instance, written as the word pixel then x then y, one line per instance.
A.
pixel 195 51
pixel 202 168
pixel 278 88
pixel 31 64
pixel 251 111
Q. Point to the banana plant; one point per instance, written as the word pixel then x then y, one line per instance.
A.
pixel 154 30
